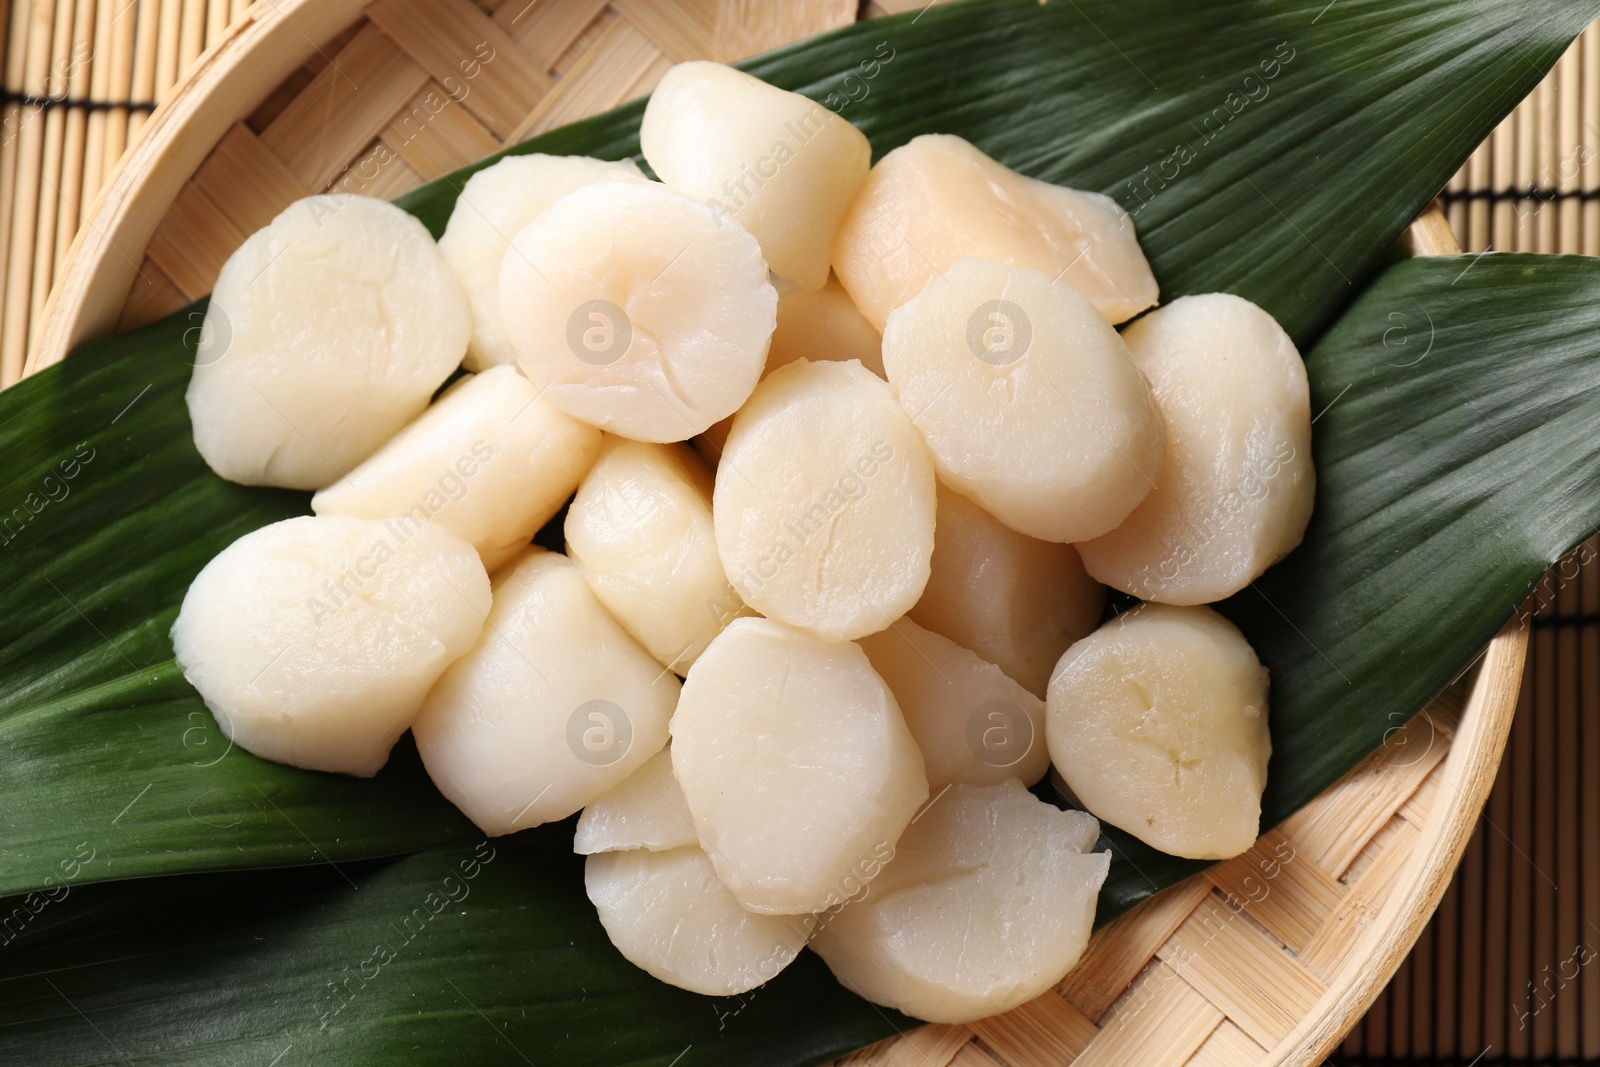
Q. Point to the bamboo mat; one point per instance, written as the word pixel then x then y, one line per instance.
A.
pixel 1506 972
pixel 80 78
pixel 1502 974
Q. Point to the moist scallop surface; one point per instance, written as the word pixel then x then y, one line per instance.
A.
pixel 775 162
pixel 326 332
pixel 824 501
pixel 1014 600
pixel 971 723
pixel 937 199
pixel 314 640
pixel 638 309
pixel 797 767
pixel 552 707
pixel 669 914
pixel 1158 724
pixel 1237 485
pixel 640 532
pixel 988 902
pixel 495 205
pixel 490 460
pixel 1027 398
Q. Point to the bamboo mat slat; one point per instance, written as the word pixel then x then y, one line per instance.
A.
pixel 1229 971
pixel 100 65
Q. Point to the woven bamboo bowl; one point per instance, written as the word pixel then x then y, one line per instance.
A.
pixel 304 95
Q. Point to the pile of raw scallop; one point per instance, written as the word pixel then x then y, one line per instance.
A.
pixel 848 455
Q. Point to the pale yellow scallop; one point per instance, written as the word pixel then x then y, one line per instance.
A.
pixel 640 532
pixel 824 324
pixel 326 332
pixel 669 915
pixel 495 205
pixel 796 764
pixel 1158 723
pixel 638 310
pixel 817 324
pixel 782 166
pixel 1016 601
pixel 314 640
pixel 1028 400
pixel 644 810
pixel 988 902
pixel 1237 485
pixel 938 199
pixel 972 724
pixel 552 707
pixel 824 501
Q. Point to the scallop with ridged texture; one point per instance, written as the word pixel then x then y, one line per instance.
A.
pixel 326 332
pixel 988 903
pixel 1158 724
pixel 638 309
pixel 1028 400
pixel 495 205
pixel 1237 485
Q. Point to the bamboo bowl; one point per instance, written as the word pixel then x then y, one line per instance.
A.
pixel 1266 959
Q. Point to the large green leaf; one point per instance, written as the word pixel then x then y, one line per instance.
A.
pixel 486 953
pixel 1460 456
pixel 110 513
pixel 1351 135
pixel 107 753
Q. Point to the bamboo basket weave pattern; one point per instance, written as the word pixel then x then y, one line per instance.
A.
pixel 419 88
pixel 1266 959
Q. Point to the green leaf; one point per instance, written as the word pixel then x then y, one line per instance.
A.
pixel 471 954
pixel 110 513
pixel 1461 457
pixel 1440 524
pixel 1458 457
pixel 1058 90
pixel 1288 202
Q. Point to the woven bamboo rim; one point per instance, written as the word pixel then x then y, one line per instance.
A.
pixel 1267 959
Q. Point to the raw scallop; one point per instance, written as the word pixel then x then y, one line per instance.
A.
pixel 937 199
pixel 636 310
pixel 552 707
pixel 1237 485
pixel 818 324
pixel 988 903
pixel 972 723
pixel 313 640
pixel 798 769
pixel 1014 600
pixel 1028 400
pixel 491 461
pixel 640 532
pixel 326 332
pixel 1158 723
pixel 824 501
pixel 823 324
pixel 644 810
pixel 669 915
pixel 778 164
pixel 495 205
